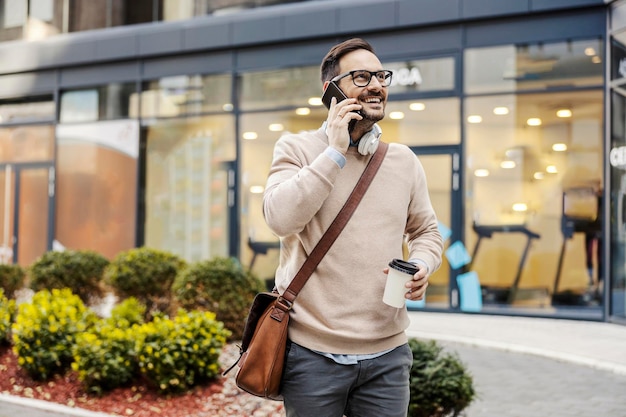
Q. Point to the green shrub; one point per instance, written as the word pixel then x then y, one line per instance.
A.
pixel 146 274
pixel 177 354
pixel 45 330
pixel 220 285
pixel 128 312
pixel 440 385
pixel 7 312
pixel 79 270
pixel 103 357
pixel 11 279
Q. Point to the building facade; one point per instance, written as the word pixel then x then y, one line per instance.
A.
pixel 154 124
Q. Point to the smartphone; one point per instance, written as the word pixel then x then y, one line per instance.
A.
pixel 333 90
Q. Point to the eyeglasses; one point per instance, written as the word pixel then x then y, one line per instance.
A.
pixel 362 78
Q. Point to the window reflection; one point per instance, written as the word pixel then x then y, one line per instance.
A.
pixel 422 75
pixel 31 109
pixel 186 95
pixel 107 102
pixel 534 66
pixel 272 89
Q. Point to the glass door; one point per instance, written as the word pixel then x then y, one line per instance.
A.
pixel 441 165
pixel 26 193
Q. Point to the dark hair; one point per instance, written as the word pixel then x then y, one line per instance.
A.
pixel 330 63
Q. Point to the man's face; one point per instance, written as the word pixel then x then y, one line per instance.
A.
pixel 372 97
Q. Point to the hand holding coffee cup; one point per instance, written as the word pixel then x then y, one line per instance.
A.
pixel 404 281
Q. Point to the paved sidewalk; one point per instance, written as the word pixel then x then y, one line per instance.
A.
pixel 595 344
pixel 531 367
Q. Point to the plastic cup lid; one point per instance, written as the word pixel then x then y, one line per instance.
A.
pixel 403 266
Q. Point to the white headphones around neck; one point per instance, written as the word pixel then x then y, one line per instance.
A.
pixel 369 141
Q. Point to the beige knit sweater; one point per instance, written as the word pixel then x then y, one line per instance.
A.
pixel 340 308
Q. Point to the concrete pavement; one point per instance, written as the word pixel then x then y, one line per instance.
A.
pixel 532 367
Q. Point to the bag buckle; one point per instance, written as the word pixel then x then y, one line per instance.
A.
pixel 281 309
pixel 284 304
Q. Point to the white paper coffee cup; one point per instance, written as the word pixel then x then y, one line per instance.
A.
pixel 399 273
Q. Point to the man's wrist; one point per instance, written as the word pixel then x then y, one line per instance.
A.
pixel 336 156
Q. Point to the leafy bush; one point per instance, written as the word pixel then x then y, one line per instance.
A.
pixel 11 279
pixel 146 274
pixel 7 312
pixel 103 357
pixel 440 385
pixel 128 312
pixel 45 330
pixel 220 285
pixel 79 270
pixel 177 354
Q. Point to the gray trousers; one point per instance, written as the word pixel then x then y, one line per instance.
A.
pixel 316 386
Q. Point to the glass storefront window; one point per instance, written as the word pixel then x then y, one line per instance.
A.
pixel 26 144
pixel 187 186
pixel 111 101
pixel 436 74
pixel 28 110
pixel 534 175
pixel 259 132
pixel 422 122
pixel 186 95
pixel 299 86
pixel 96 186
pixel 540 66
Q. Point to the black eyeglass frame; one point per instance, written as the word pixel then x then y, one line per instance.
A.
pixel 388 76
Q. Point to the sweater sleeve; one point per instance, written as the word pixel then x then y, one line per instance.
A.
pixel 300 179
pixel 423 236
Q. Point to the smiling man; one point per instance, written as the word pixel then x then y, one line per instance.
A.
pixel 348 352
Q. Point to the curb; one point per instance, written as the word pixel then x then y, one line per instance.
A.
pixel 510 347
pixel 51 407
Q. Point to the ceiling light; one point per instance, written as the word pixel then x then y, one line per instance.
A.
pixel 315 101
pixel 589 51
pixel 303 111
pixel 500 111
pixel 559 147
pixel 474 119
pixel 481 172
pixel 533 121
pixel 538 175
pixel 417 106
pixel 508 164
pixel 564 113
pixel 396 115
pixel 520 207
pixel 596 59
pixel 276 127
pixel 250 135
pixel 551 169
pixel 227 107
pixel 257 189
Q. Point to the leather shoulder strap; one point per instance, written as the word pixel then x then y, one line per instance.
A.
pixel 337 225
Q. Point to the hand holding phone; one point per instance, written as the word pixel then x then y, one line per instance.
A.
pixel 333 90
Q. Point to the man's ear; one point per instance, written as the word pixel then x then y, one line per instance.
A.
pixel 325 85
